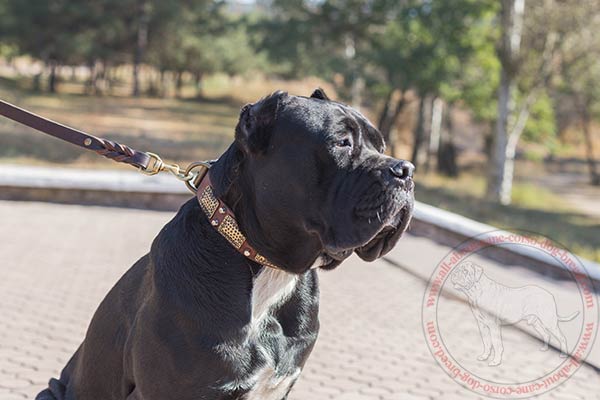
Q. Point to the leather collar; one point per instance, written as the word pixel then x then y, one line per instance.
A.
pixel 223 220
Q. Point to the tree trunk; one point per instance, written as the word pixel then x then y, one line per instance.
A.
pixel 140 44
pixel 92 85
pixel 499 184
pixel 37 82
pixel 419 150
pixel 589 145
pixel 52 77
pixel 390 120
pixel 437 110
pixel 163 90
pixel 383 116
pixel 198 80
pixel 110 77
pixel 357 86
pixel 178 84
pixel 500 175
pixel 101 78
pixel 446 155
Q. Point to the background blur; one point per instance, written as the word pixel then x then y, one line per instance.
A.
pixel 496 102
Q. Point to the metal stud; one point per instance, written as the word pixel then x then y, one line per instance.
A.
pixel 214 222
pixel 247 253
pixel 221 210
pixel 87 141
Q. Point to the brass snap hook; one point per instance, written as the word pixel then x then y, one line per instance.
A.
pixel 191 177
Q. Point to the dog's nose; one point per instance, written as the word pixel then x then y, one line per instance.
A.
pixel 403 169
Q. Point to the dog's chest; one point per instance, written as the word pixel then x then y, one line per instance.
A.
pixel 272 376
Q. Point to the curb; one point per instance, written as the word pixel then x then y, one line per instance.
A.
pixel 452 229
pixel 112 188
pixel 120 188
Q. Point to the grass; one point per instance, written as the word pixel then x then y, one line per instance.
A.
pixel 533 208
pixel 176 129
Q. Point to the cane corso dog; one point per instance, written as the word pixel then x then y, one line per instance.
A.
pixel 494 305
pixel 309 184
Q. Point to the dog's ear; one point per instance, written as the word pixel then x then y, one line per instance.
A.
pixel 319 94
pixel 477 272
pixel 254 127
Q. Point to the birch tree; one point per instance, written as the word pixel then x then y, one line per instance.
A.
pixel 527 59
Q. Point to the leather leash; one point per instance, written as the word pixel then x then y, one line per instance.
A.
pixel 148 163
pixel 106 148
pixel 195 176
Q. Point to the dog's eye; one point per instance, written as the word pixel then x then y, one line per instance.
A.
pixel 344 143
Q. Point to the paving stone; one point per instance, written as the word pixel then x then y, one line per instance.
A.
pixel 6 394
pixel 371 344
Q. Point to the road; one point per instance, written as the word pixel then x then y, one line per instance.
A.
pixel 58 261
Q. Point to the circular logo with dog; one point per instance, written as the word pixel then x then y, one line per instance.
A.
pixel 506 331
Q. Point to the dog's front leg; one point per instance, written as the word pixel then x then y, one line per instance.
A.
pixel 484 332
pixel 496 337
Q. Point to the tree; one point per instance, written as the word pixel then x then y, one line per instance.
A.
pixel 420 51
pixel 530 50
pixel 396 47
pixel 200 41
pixel 525 77
pixel 580 74
pixel 49 31
pixel 511 17
pixel 331 39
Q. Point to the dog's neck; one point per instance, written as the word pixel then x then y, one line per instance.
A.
pixel 295 251
pixel 474 291
pixel 190 257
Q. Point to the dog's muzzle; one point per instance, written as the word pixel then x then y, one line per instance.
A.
pixel 390 205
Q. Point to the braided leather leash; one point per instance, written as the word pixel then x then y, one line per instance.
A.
pixel 148 163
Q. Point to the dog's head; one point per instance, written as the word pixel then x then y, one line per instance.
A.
pixel 465 275
pixel 309 183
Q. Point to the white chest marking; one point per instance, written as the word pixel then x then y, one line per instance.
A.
pixel 270 289
pixel 270 387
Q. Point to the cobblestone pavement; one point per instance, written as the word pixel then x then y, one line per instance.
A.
pixel 57 262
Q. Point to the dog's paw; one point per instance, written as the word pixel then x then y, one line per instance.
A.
pixel 495 363
pixel 483 357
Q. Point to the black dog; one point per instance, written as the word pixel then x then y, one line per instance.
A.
pixel 195 319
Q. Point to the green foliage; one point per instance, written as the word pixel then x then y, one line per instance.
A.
pixel 541 125
pixel 420 45
pixel 193 36
pixel 477 83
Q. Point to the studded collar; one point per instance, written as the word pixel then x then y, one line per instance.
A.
pixel 223 220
